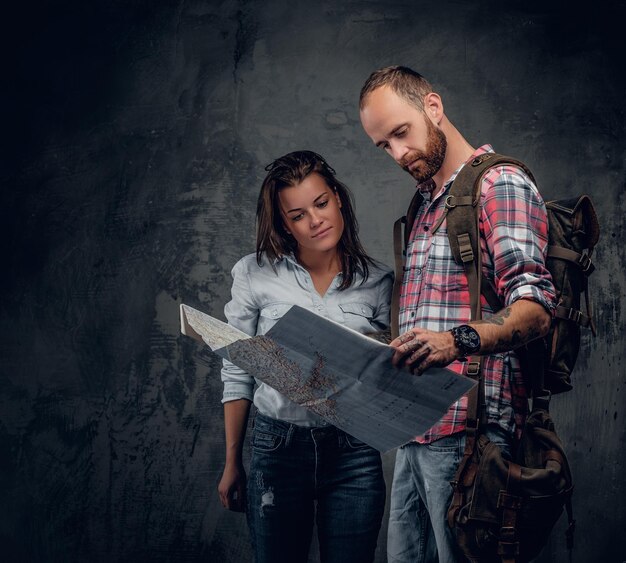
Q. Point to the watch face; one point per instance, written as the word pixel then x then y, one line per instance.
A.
pixel 467 338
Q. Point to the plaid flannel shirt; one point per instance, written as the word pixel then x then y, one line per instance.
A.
pixel 435 292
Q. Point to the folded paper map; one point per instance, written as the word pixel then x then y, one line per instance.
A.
pixel 341 375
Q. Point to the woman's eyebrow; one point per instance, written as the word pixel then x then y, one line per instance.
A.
pixel 300 208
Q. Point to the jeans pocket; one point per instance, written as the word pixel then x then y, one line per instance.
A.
pixel 266 442
pixel 354 443
pixel 445 445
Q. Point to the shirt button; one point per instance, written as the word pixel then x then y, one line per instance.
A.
pixel 418 271
pixel 363 310
pixel 274 313
pixel 319 307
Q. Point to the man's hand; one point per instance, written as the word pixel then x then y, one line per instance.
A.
pixel 232 487
pixel 419 349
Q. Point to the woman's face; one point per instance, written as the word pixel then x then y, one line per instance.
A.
pixel 311 212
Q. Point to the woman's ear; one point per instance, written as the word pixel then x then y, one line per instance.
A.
pixel 337 198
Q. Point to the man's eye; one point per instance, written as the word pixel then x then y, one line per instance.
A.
pixel 401 133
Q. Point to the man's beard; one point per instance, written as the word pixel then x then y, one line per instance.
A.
pixel 432 159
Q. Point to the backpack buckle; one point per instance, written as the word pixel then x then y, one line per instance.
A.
pixel 473 369
pixel 471 424
pixel 465 248
pixel 585 264
pixel 449 202
pixel 574 315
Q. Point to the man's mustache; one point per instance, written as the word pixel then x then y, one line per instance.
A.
pixel 411 158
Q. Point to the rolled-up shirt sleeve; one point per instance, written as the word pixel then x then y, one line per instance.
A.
pixel 242 313
pixel 516 233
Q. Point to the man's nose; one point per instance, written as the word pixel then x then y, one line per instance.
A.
pixel 398 151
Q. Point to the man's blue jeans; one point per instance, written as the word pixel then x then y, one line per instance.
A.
pixel 291 469
pixel 420 495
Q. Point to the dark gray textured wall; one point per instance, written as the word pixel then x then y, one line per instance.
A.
pixel 134 140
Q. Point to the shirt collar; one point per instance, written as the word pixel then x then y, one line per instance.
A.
pixel 291 258
pixel 424 187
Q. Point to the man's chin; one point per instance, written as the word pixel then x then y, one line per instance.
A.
pixel 414 173
pixel 417 175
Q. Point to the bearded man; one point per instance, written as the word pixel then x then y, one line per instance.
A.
pixel 402 114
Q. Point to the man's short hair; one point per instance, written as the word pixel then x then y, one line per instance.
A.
pixel 404 81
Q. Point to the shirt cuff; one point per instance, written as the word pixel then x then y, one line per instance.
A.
pixel 236 390
pixel 533 293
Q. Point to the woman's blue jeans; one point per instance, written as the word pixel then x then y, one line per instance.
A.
pixel 298 474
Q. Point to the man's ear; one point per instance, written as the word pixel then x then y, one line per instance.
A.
pixel 433 107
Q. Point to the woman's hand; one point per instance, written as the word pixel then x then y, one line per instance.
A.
pixel 232 487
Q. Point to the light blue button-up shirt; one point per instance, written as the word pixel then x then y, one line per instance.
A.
pixel 261 295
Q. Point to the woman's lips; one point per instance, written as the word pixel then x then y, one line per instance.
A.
pixel 322 233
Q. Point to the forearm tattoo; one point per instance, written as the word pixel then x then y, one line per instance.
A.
pixel 516 338
pixel 496 318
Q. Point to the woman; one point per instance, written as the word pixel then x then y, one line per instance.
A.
pixel 308 253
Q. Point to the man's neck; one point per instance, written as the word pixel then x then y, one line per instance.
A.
pixel 458 152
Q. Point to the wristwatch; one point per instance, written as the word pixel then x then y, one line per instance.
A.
pixel 466 339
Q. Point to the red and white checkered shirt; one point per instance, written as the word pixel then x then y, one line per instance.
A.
pixel 435 293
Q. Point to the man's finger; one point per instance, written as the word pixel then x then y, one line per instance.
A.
pixel 419 355
pixel 422 367
pixel 410 346
pixel 402 339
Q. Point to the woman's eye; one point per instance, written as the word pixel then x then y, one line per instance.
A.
pixel 322 204
pixel 297 217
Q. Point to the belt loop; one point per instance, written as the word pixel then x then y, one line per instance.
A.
pixel 341 438
pixel 290 431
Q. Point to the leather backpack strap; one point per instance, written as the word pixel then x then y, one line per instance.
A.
pixel 462 212
pixel 464 192
pixel 401 233
pixel 399 257
pixel 510 503
pixel 463 225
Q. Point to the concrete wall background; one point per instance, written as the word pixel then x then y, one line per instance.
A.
pixel 134 140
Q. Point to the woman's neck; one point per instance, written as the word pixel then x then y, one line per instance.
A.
pixel 322 267
pixel 320 262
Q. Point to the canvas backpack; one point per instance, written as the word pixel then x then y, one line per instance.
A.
pixel 501 509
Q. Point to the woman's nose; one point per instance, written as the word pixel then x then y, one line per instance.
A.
pixel 316 218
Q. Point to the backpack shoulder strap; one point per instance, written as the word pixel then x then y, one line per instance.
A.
pixel 400 242
pixel 462 212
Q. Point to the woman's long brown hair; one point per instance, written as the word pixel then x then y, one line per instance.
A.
pixel 274 241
